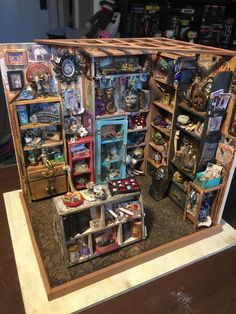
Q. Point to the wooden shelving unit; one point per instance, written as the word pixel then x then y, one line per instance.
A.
pixel 192 212
pixel 40 181
pixel 98 226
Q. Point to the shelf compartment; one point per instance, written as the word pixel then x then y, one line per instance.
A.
pixel 192 134
pixel 154 164
pixel 163 130
pixel 80 157
pixel 200 114
pixel 114 140
pixel 38 125
pixel 130 145
pixel 137 130
pixel 76 174
pixel 108 162
pixel 168 108
pixel 48 143
pixel 158 148
pixel 37 100
pixel 131 240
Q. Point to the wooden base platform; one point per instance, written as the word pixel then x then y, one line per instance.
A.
pixel 110 282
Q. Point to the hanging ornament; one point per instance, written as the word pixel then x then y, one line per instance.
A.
pixel 67 66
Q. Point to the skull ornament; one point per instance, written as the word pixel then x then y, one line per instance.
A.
pixel 131 101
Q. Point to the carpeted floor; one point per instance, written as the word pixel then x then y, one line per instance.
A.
pixel 163 220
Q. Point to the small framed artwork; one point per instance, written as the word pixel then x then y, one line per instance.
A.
pixel 15 80
pixel 214 124
pixel 39 53
pixel 72 101
pixel 232 124
pixel 15 57
pixel 224 101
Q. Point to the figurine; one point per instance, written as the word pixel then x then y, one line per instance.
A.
pixel 102 18
pixel 109 102
pixel 131 100
pixel 45 159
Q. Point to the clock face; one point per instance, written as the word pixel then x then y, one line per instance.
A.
pixel 68 68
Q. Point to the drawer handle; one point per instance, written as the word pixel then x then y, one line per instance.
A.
pixel 176 195
pixel 48 174
pixel 50 189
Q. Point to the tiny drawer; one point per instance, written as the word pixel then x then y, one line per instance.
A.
pixel 48 187
pixel 177 195
pixel 44 173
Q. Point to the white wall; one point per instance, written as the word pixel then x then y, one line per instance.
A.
pixel 22 21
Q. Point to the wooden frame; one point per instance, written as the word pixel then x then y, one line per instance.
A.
pixel 232 124
pixel 15 57
pixel 15 80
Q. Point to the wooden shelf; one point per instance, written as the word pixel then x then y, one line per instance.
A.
pixel 121 114
pixel 135 145
pixel 37 100
pixel 113 140
pixel 38 125
pixel 41 167
pixel 76 174
pixel 163 130
pixel 98 77
pixel 188 132
pixel 200 114
pixel 137 130
pixel 187 174
pixel 154 164
pixel 158 148
pixel 48 143
pixel 169 108
pixel 74 159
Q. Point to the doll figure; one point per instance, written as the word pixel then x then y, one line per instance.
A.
pixel 102 18
pixel 109 102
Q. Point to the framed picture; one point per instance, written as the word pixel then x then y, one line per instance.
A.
pixel 15 57
pixel 72 101
pixel 224 101
pixel 232 124
pixel 39 53
pixel 15 80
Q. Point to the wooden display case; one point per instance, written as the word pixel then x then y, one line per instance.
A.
pixel 98 227
pixel 42 176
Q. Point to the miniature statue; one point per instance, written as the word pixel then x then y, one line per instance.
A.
pixel 131 101
pixel 45 159
pixel 109 102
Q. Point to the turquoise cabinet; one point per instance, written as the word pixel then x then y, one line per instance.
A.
pixel 111 141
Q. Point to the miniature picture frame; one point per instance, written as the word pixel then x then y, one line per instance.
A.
pixel 39 53
pixel 232 124
pixel 15 57
pixel 15 80
pixel 72 101
pixel 224 101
